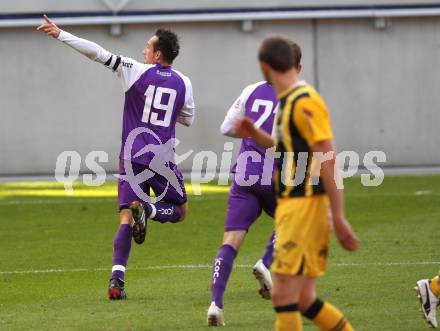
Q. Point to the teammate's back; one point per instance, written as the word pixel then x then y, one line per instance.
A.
pixel 260 107
pixel 259 103
pixel 158 98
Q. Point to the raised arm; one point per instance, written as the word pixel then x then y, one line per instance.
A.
pixel 128 70
pixel 90 49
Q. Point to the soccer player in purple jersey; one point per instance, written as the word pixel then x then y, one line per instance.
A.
pixel 156 97
pixel 246 200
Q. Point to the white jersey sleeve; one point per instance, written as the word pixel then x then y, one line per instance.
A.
pixel 236 110
pixel 186 115
pixel 128 70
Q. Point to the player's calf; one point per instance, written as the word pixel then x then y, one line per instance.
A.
pixel 327 317
pixel 165 212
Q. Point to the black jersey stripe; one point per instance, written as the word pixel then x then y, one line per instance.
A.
pixel 118 61
pixel 286 94
pixel 109 61
pixel 299 145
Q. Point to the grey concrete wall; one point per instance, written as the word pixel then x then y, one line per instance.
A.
pixel 380 85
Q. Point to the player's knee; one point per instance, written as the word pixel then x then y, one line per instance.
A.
pixel 305 301
pixel 286 289
pixel 307 295
pixel 277 295
pixel 278 292
pixel 234 239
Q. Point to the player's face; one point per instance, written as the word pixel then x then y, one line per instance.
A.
pixel 150 56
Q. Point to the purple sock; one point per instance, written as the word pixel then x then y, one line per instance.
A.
pixel 121 250
pixel 163 212
pixel 268 253
pixel 221 270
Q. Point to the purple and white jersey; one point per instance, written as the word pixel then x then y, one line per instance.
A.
pixel 156 97
pixel 259 103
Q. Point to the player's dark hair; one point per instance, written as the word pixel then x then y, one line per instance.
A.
pixel 168 44
pixel 280 53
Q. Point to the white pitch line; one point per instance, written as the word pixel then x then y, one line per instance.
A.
pixel 423 193
pixel 55 201
pixel 207 266
pixel 74 200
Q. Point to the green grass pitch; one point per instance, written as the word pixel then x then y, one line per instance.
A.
pixel 56 251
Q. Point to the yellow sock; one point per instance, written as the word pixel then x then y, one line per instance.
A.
pixel 327 317
pixel 435 286
pixel 288 318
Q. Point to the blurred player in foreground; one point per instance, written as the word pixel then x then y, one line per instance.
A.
pixel 156 97
pixel 246 202
pixel 301 217
pixel 428 292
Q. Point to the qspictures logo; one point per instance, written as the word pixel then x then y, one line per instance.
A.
pixel 208 166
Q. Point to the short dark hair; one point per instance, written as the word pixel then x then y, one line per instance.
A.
pixel 168 44
pixel 280 53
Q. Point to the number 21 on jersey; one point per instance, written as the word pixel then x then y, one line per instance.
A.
pixel 154 106
pixel 268 105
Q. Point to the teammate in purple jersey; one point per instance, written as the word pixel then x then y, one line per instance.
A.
pixel 247 198
pixel 156 98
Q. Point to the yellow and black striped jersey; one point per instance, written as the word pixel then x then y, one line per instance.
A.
pixel 302 121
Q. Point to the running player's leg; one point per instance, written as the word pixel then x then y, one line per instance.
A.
pixel 223 263
pixel 267 257
pixel 285 299
pixel 221 270
pixel 173 207
pixel 261 269
pixel 243 209
pixel 268 202
pixel 123 237
pixel 325 316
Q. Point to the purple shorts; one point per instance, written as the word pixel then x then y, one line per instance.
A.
pixel 158 183
pixel 245 204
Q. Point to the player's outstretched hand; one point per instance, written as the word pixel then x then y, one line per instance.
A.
pixel 345 235
pixel 244 127
pixel 49 27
